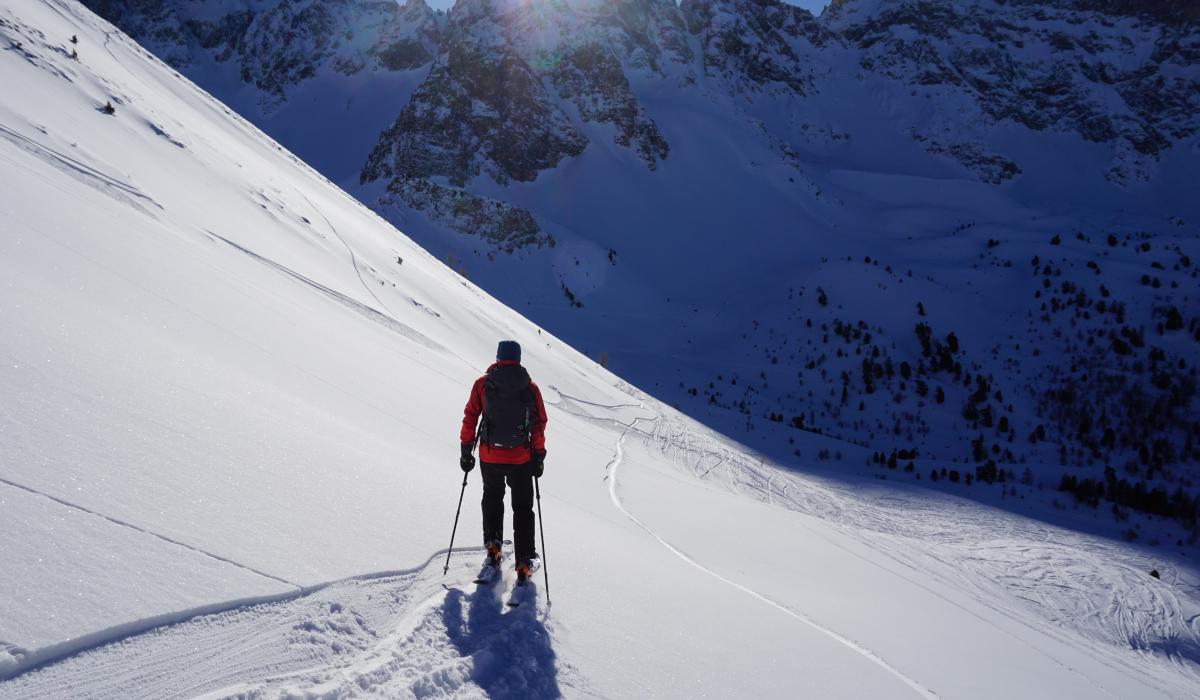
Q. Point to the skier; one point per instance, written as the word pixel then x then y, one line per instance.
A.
pixel 512 449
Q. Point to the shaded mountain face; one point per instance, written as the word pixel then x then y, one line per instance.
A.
pixel 763 44
pixel 509 86
pixel 1113 73
pixel 283 44
pixel 959 230
pixel 498 106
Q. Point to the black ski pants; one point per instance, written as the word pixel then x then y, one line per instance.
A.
pixel 520 479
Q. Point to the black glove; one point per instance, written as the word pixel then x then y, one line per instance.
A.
pixel 537 463
pixel 467 461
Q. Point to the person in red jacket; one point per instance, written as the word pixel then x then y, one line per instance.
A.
pixel 512 450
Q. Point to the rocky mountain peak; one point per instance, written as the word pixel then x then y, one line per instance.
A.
pixel 413 9
pixel 511 95
pixel 277 46
pixel 507 89
pixel 764 42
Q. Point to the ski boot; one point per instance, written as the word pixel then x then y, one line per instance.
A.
pixel 526 567
pixel 491 564
pixel 493 554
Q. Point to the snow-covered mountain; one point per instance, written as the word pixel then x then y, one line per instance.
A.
pixel 526 77
pixel 228 426
pixel 777 221
pixel 1118 74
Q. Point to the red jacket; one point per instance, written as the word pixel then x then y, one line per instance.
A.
pixel 502 455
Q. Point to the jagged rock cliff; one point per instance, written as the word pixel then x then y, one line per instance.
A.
pixel 511 86
pixel 1116 73
pixel 283 44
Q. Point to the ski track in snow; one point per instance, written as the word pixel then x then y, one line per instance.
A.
pixel 991 570
pixel 107 184
pixel 373 314
pixel 353 257
pixel 613 467
pixel 391 633
pixel 314 635
pixel 997 569
pixel 387 320
pixel 164 538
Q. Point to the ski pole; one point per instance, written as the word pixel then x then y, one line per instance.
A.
pixel 542 531
pixel 452 532
pixel 446 568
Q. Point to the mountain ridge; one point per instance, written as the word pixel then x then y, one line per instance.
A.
pixel 754 45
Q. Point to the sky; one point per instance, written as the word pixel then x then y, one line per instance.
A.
pixel 814 6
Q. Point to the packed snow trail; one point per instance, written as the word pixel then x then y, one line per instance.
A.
pixel 388 633
pixel 613 468
pixel 64 656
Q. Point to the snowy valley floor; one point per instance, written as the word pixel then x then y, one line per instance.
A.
pixel 687 569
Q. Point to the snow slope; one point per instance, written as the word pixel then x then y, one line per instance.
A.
pixel 230 403
pixel 710 194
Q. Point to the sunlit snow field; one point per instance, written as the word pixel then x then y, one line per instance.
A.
pixel 229 402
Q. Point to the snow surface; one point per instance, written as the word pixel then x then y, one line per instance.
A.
pixel 228 464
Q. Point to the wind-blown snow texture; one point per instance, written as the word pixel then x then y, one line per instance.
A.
pixel 230 400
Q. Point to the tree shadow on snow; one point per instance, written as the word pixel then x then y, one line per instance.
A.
pixel 510 647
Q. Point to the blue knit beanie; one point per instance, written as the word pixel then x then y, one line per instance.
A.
pixel 508 350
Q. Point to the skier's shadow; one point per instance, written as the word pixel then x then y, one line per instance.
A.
pixel 510 646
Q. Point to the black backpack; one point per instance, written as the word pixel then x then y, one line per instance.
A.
pixel 508 408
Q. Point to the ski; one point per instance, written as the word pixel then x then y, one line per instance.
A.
pixel 521 591
pixel 490 573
